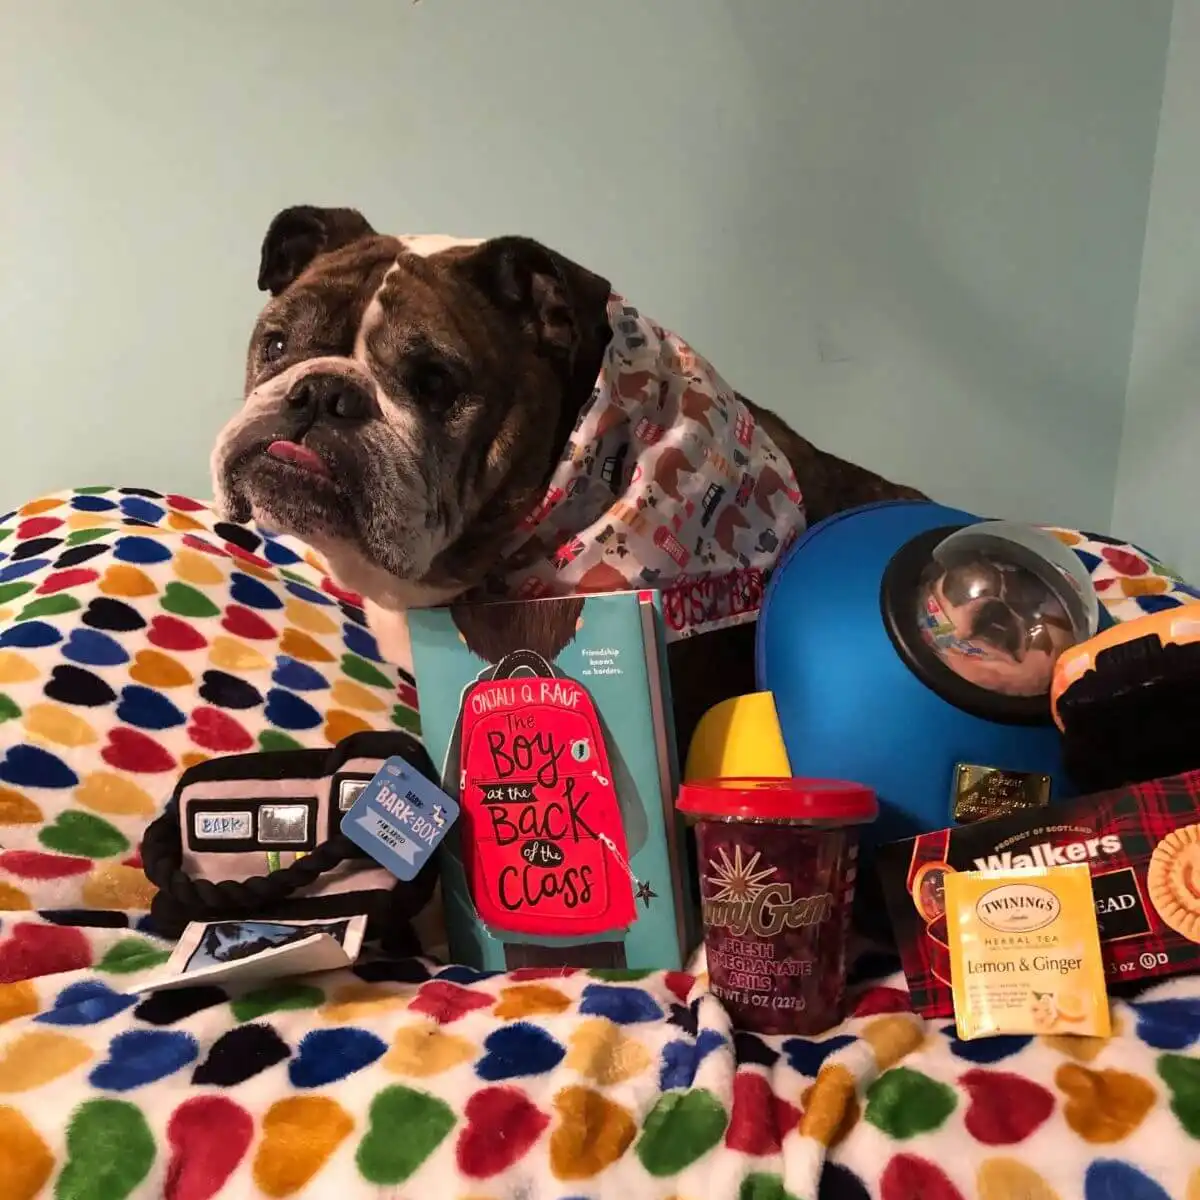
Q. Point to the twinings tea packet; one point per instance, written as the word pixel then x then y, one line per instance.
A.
pixel 1025 953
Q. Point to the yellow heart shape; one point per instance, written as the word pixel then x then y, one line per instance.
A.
pixel 16 668
pixel 353 1002
pixel 1103 1106
pixel 18 999
pixel 299 645
pixel 232 655
pixel 893 1037
pixel 182 522
pixel 1083 1049
pixel 158 670
pixel 340 724
pixel 1010 1179
pixel 124 580
pixel 602 1053
pixel 13 899
pixel 25 1160
pixel 527 1000
pixel 36 1058
pixel 53 723
pixel 300 1135
pixel 422 1050
pixel 194 567
pixel 309 616
pixel 107 792
pixel 45 504
pixel 353 695
pixel 593 1132
pixel 16 809
pixel 118 886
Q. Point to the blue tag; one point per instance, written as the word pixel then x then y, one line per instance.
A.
pixel 399 818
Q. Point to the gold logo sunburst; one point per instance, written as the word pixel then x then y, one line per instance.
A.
pixel 737 879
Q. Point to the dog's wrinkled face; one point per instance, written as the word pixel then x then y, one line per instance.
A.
pixel 407 398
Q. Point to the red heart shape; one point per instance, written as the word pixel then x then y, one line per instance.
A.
pixel 502 1125
pixel 759 1120
pixel 243 622
pixel 195 543
pixel 35 950
pixel 679 984
pixel 184 503
pixel 131 750
pixel 33 864
pixel 446 1002
pixel 170 633
pixel 529 974
pixel 908 1177
pixel 1005 1108
pixel 208 1136
pixel 215 730
pixel 246 556
pixel 1125 562
pixel 340 593
pixel 37 526
pixel 61 580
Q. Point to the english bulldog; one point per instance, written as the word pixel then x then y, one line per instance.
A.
pixel 444 418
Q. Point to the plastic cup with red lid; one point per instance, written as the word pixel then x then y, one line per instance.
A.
pixel 777 861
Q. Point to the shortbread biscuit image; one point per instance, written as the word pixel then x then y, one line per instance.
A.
pixel 1173 881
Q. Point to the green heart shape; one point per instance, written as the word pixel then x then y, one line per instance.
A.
pixel 296 577
pixel 278 997
pixel 407 719
pixel 903 1103
pixel 272 739
pixel 83 834
pixel 680 1129
pixel 9 708
pixel 762 1186
pixel 130 955
pixel 405 1128
pixel 1182 1076
pixel 94 1170
pixel 5 533
pixel 10 591
pixel 94 491
pixel 82 536
pixel 49 606
pixel 364 672
pixel 185 601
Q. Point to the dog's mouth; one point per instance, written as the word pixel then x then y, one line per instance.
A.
pixel 302 457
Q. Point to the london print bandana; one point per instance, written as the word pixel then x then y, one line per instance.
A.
pixel 668 483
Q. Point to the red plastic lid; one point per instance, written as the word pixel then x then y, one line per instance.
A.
pixel 788 801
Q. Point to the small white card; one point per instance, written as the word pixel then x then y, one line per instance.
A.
pixel 257 951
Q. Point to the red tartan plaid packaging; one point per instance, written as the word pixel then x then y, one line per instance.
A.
pixel 1141 844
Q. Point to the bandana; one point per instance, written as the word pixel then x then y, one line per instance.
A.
pixel 668 482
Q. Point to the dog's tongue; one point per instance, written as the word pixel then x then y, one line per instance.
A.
pixel 302 456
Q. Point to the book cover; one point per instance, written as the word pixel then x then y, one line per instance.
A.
pixel 547 718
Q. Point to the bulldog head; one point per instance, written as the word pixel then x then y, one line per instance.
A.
pixel 407 399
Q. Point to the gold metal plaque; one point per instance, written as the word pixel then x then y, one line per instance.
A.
pixel 983 792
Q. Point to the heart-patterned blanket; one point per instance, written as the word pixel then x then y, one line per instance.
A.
pixel 137 635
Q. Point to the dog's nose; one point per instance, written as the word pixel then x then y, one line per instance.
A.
pixel 332 396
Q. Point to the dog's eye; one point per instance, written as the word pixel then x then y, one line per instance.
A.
pixel 273 347
pixel 432 383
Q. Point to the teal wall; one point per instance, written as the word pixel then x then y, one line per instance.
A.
pixel 1158 481
pixel 913 227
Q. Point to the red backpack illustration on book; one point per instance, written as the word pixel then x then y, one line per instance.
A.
pixel 544 845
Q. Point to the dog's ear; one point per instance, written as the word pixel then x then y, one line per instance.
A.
pixel 561 303
pixel 297 235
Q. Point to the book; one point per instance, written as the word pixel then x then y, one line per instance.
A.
pixel 550 720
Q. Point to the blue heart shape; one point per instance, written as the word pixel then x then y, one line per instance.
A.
pixel 30 635
pixel 517 1050
pixel 277 553
pixel 298 676
pixel 288 711
pixel 92 504
pixel 17 569
pixel 1112 1179
pixel 807 1057
pixel 327 1055
pixel 141 1056
pixel 624 1005
pixel 140 550
pixel 85 1003
pixel 253 593
pixel 302 592
pixel 359 641
pixel 145 708
pixel 465 975
pixel 983 1051
pixel 94 649
pixel 681 1059
pixel 1172 1024
pixel 142 510
pixel 31 766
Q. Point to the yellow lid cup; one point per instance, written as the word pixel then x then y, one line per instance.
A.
pixel 738 738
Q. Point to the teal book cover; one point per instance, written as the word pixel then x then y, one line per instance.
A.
pixel 547 721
